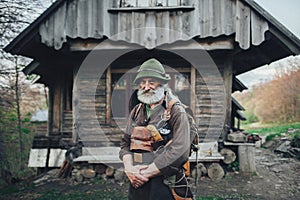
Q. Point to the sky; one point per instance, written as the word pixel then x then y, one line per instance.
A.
pixel 287 12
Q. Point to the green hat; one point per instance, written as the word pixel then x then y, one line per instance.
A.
pixel 152 68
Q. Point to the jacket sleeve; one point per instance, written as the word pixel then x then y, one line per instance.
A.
pixel 125 142
pixel 173 156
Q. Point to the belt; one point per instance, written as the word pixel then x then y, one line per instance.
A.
pixel 143 157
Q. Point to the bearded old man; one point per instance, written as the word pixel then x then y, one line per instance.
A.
pixel 157 141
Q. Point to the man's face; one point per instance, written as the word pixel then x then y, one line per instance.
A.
pixel 150 91
pixel 148 84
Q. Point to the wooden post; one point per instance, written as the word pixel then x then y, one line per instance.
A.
pixel 247 159
pixel 108 95
pixel 56 107
pixel 227 75
pixel 75 106
pixel 193 89
pixel 50 110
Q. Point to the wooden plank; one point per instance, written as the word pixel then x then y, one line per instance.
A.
pixel 186 45
pixel 111 155
pixel 37 158
pixel 56 158
pixel 258 28
pixel 243 33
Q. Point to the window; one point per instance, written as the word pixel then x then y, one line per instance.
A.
pixel 149 3
pixel 122 90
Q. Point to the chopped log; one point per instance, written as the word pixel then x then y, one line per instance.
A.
pixel 88 173
pixel 229 155
pixel 215 172
pixel 120 175
pixel 100 169
pixel 78 177
pixel 202 170
pixel 109 172
pixel 196 173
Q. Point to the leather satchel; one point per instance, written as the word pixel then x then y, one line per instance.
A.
pixel 141 139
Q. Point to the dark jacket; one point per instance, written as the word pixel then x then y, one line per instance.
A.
pixel 173 155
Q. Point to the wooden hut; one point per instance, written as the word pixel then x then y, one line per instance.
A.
pixel 87 51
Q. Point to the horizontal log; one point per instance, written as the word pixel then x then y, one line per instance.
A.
pixel 229 155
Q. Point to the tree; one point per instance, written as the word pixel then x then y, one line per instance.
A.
pixel 15 15
pixel 279 99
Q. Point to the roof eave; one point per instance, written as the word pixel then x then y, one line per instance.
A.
pixel 278 29
pixel 17 44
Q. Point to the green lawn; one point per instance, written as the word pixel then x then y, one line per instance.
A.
pixel 273 130
pixel 266 129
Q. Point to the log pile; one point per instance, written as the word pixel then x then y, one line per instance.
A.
pixel 85 172
pixel 212 170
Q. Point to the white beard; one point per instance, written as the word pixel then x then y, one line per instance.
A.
pixel 151 96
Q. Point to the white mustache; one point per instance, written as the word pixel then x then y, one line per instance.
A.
pixel 149 91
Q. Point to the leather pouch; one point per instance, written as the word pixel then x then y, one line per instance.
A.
pixel 141 139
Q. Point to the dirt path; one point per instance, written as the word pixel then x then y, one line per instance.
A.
pixel 277 178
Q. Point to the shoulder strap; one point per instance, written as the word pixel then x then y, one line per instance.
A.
pixel 137 110
pixel 169 108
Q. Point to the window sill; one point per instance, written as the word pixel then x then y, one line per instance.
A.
pixel 157 8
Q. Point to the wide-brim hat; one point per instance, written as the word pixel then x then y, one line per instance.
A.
pixel 152 68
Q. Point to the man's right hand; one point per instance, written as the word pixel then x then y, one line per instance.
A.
pixel 134 176
pixel 133 172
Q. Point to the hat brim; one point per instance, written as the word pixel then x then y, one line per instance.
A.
pixel 147 74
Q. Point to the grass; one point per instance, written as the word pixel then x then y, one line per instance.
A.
pixel 11 189
pixel 266 129
pixel 79 195
pixel 103 193
pixel 274 130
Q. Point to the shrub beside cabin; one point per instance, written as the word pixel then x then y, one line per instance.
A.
pixel 87 52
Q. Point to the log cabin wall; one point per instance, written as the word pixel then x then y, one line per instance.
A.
pixel 213 108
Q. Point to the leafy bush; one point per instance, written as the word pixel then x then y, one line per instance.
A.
pixel 251 118
pixel 234 166
pixel 272 136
